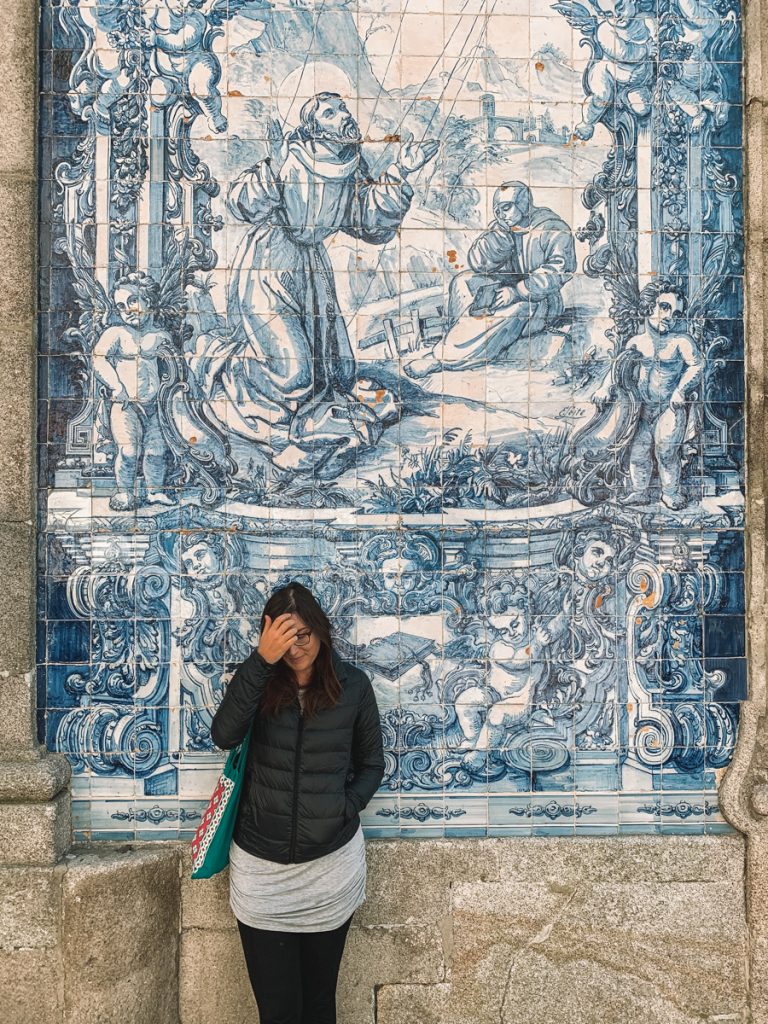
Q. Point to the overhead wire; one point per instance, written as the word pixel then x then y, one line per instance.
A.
pixel 410 107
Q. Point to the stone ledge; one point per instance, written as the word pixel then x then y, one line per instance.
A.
pixel 93 939
pixel 35 833
pixel 34 781
pixel 645 858
pixel 133 975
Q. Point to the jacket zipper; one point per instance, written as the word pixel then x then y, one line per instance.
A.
pixel 297 763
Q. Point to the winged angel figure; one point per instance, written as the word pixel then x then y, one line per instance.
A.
pixel 621 35
pixel 144 410
pixel 177 36
pixel 649 406
pixel 182 33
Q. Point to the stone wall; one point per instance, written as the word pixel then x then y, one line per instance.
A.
pixel 542 931
pixel 640 928
pixel 537 931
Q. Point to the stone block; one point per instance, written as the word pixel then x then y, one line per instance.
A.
pixel 18 215
pixel 30 987
pixel 571 860
pixel 30 908
pixel 379 955
pixel 213 980
pixel 18 71
pixel 205 901
pixel 34 780
pixel 584 992
pixel 37 833
pixel 18 423
pixel 17 602
pixel 18 155
pixel 120 937
pixel 17 713
pixel 492 923
pixel 521 948
pixel 410 880
pixel 414 1004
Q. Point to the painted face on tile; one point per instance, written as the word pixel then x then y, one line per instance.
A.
pixel 512 205
pixel 667 312
pixel 334 121
pixel 617 12
pixel 201 560
pixel 132 307
pixel 598 560
pixel 515 621
pixel 399 575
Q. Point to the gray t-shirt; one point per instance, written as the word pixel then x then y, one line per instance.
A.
pixel 316 896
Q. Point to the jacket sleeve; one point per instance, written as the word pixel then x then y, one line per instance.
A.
pixel 241 701
pixel 367 751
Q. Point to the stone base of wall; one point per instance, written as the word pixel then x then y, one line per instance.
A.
pixel 541 931
pixel 545 931
pixel 92 940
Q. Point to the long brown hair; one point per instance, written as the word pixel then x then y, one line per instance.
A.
pixel 325 689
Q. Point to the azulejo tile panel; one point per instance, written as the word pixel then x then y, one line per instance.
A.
pixel 437 307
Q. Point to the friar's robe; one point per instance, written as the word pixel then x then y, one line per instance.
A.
pixel 290 362
pixel 537 260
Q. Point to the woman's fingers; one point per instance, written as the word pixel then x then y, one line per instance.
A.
pixel 278 625
pixel 284 625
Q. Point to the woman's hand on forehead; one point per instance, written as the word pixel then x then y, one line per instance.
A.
pixel 277 637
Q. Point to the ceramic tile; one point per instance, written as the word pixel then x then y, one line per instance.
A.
pixel 443 319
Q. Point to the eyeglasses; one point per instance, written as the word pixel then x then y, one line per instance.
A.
pixel 302 639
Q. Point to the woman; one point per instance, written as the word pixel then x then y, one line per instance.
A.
pixel 315 759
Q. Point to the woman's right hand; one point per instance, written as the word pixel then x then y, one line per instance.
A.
pixel 277 637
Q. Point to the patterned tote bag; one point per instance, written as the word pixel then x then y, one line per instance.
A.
pixel 210 847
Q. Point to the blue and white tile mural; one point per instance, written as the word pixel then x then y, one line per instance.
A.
pixel 436 306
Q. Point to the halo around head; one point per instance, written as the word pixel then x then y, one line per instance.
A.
pixel 307 80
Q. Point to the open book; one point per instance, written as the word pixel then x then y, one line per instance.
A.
pixel 393 655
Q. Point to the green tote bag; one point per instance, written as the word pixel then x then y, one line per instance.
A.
pixel 210 847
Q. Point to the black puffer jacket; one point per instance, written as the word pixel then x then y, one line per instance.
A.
pixel 306 778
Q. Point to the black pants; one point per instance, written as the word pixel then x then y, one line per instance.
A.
pixel 294 974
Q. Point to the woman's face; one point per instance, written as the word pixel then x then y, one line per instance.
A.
pixel 302 653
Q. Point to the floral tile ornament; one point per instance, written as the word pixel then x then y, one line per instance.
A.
pixel 439 313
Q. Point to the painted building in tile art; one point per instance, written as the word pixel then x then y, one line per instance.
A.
pixel 438 308
pixel 327 296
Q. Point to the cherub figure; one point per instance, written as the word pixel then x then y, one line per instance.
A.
pixel 182 33
pixel 216 609
pixel 699 90
pixel 520 648
pixel 622 36
pixel 125 359
pixel 667 368
pixel 99 77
